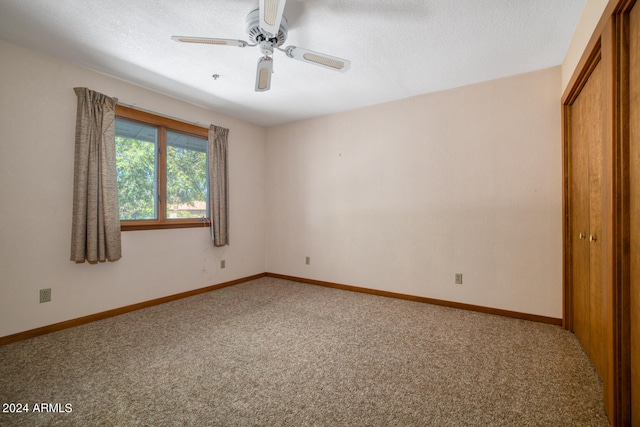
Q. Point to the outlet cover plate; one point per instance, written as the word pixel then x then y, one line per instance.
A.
pixel 458 278
pixel 45 295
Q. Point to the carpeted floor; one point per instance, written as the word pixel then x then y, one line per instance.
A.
pixel 277 353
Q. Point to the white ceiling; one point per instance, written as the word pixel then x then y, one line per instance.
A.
pixel 397 48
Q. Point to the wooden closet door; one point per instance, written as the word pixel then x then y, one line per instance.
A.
pixel 580 114
pixel 586 218
pixel 598 308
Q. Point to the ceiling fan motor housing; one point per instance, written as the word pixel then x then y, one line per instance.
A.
pixel 258 36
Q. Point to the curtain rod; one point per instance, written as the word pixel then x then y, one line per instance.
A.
pixel 157 113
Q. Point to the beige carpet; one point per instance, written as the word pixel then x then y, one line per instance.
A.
pixel 277 353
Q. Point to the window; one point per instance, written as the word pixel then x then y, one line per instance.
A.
pixel 161 166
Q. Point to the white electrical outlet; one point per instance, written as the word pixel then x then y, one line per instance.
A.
pixel 307 260
pixel 223 264
pixel 458 278
pixel 45 295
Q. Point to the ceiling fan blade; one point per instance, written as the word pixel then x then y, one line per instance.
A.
pixel 271 12
pixel 205 40
pixel 317 58
pixel 263 74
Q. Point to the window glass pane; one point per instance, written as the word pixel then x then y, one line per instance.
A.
pixel 186 176
pixel 136 168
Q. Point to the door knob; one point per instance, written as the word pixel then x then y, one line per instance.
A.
pixel 582 235
pixel 593 238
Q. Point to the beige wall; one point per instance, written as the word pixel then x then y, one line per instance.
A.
pixel 37 123
pixel 403 195
pixel 396 197
pixel 586 25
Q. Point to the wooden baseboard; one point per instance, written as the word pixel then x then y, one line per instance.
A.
pixel 117 311
pixel 470 307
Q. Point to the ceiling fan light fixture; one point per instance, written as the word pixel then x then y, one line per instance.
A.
pixel 263 74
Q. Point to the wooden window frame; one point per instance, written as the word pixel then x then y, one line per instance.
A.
pixel 163 124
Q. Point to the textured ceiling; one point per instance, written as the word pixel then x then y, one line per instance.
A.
pixel 397 48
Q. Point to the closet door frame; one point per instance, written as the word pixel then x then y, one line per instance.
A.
pixel 609 45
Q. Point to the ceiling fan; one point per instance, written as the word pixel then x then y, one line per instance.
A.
pixel 267 27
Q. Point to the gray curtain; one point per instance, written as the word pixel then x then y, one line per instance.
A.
pixel 219 185
pixel 95 235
